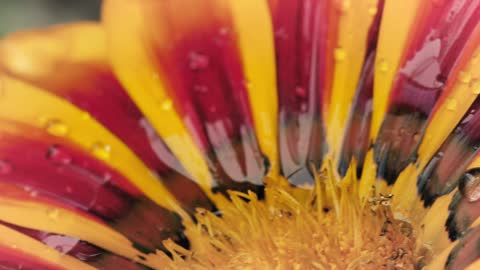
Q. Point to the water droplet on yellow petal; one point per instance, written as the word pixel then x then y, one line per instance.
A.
pixel 451 104
pixel 475 86
pixel 383 65
pixel 345 6
pixel 372 11
pixel 85 116
pixel 53 213
pixel 167 105
pixel 101 151
pixel 465 77
pixel 339 54
pixel 56 127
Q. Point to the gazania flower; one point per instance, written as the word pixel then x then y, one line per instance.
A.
pixel 244 134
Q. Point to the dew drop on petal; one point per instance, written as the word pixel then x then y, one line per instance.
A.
pixel 465 77
pixel 166 105
pixel 85 116
pixel 301 92
pixel 201 89
pixel 346 5
pixel 339 54
pixel 53 213
pixel 451 104
pixel 470 186
pixel 475 86
pixel 56 127
pixel 57 155
pixel 5 167
pixel 101 151
pixel 372 11
pixel 383 65
pixel 197 61
pixel 223 31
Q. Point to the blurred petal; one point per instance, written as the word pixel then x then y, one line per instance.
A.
pixel 19 251
pixel 61 119
pixel 78 52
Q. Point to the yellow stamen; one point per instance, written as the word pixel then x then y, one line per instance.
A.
pixel 327 227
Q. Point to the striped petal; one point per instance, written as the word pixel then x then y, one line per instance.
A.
pixel 434 48
pixel 301 43
pixel 78 52
pixel 195 74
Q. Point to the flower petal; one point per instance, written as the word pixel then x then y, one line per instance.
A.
pixel 301 42
pixel 62 119
pixel 78 52
pixel 197 61
pixel 430 60
pixel 19 251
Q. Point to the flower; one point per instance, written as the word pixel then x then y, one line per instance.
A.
pixel 251 134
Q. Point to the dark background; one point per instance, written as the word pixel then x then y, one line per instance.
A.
pixel 23 14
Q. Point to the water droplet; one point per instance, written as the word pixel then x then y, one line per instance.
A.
pixel 202 89
pixel 451 104
pixel 166 105
pixel 416 137
pixel 281 33
pixel 212 109
pixel 248 85
pixel 58 155
pixel 53 213
pixel 33 193
pixel 223 31
pixel 301 92
pixel 345 6
pixel 101 151
pixel 383 65
pixel 85 116
pixel 339 54
pixel 475 86
pixel 198 61
pixel 5 167
pixel 56 127
pixel 372 11
pixel 304 107
pixel 465 77
pixel 470 185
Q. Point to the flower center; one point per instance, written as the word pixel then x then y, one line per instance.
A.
pixel 325 227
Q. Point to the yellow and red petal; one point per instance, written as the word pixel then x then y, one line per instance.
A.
pixel 429 61
pixel 190 77
pixel 78 52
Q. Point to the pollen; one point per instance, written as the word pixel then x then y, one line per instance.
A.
pixel 327 226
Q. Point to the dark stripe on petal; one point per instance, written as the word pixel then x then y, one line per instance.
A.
pixel 444 170
pixel 434 50
pixel 48 166
pixel 201 65
pixel 90 85
pixel 300 39
pixel 465 252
